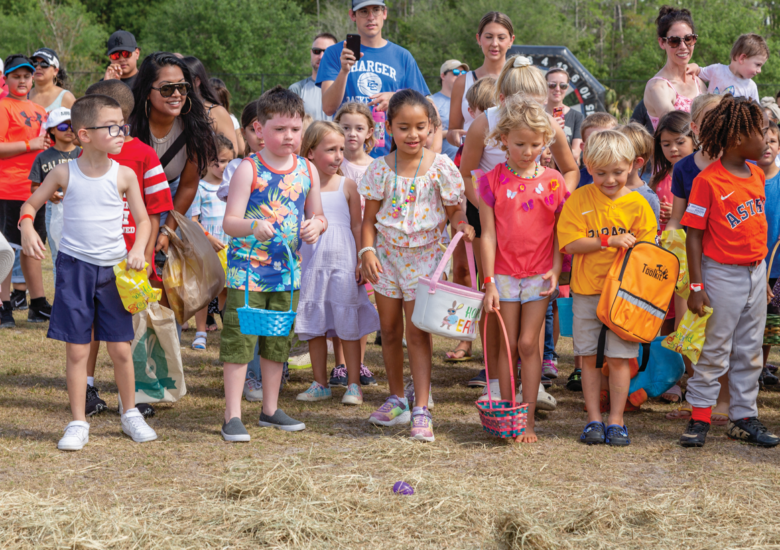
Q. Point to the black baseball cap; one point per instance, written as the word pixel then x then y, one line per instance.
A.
pixel 49 55
pixel 121 41
pixel 17 61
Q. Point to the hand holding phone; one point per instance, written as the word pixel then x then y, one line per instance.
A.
pixel 353 43
pixel 557 112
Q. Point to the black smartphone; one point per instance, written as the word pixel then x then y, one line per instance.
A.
pixel 353 43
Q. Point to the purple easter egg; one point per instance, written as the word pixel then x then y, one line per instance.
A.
pixel 402 488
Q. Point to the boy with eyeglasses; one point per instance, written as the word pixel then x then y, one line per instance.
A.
pixel 63 149
pixel 21 139
pixel 123 52
pixel 86 297
pixel 307 88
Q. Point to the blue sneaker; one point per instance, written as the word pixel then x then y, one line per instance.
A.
pixel 316 392
pixel 593 434
pixel 338 376
pixel 617 436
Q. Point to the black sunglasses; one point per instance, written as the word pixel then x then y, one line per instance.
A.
pixel 113 130
pixel 675 41
pixel 166 90
pixel 43 64
pixel 318 51
pixel 561 85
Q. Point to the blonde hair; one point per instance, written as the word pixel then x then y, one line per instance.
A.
pixel 607 147
pixel 521 112
pixel 701 103
pixel 598 120
pixel 640 139
pixel 355 108
pixel 306 122
pixel 519 76
pixel 314 135
pixel 482 94
pixel 751 45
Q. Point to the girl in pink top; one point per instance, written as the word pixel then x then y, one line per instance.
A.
pixel 519 204
pixel 673 142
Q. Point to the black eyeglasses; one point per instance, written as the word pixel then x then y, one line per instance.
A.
pixel 63 126
pixel 675 41
pixel 113 130
pixel 318 51
pixel 166 90
pixel 561 85
pixel 42 64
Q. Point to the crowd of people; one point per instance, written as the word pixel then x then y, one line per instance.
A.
pixel 351 183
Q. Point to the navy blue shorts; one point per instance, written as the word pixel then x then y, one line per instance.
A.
pixel 86 295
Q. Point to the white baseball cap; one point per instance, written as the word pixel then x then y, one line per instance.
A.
pixel 452 64
pixel 2 66
pixel 56 117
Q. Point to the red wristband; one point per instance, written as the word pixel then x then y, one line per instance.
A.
pixel 19 225
pixel 604 241
pixel 461 221
pixel 487 280
pixel 206 233
pixel 27 145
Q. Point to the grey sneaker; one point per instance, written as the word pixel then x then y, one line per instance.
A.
pixel 281 421
pixel 234 430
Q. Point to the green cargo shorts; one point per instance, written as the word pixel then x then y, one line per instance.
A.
pixel 239 348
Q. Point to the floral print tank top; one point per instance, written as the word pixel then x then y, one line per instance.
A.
pixel 278 198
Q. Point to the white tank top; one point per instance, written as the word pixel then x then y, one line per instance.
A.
pixel 464 105
pixel 335 207
pixel 492 155
pixel 93 213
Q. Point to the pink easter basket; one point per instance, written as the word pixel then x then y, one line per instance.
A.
pixel 503 419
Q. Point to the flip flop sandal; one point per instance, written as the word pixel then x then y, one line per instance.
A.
pixel 683 412
pixel 719 419
pixel 452 359
pixel 675 392
pixel 199 343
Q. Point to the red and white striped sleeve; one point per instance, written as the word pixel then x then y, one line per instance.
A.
pixel 157 193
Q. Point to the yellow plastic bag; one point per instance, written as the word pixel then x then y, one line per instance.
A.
pixel 223 259
pixel 134 288
pixel 673 240
pixel 689 338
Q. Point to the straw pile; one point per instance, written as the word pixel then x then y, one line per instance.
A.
pixel 343 500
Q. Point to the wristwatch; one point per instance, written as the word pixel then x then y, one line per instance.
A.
pixel 697 287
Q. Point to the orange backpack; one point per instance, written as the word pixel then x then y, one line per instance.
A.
pixel 636 296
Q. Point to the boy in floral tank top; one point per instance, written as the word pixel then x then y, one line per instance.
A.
pixel 274 199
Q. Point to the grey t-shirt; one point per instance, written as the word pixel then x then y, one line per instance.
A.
pixel 654 201
pixel 312 98
pixel 572 121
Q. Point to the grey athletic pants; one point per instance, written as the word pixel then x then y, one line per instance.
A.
pixel 733 339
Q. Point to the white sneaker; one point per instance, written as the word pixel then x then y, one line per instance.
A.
pixel 134 425
pixel 495 392
pixel 544 401
pixel 76 436
pixel 409 394
pixel 253 390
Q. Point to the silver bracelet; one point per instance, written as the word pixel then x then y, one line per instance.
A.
pixel 366 249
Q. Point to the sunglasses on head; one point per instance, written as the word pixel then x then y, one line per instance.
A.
pixel 675 41
pixel 116 55
pixel 561 85
pixel 167 90
pixel 63 126
pixel 43 64
pixel 318 51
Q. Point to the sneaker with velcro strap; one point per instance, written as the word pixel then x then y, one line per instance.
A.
pixel 134 425
pixel 39 311
pixel 76 436
pixel 751 430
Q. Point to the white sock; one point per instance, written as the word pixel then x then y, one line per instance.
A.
pixel 405 401
pixel 90 380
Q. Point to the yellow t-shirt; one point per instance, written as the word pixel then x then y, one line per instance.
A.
pixel 587 213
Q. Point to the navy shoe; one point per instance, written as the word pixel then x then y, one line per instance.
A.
pixel 338 376
pixel 751 430
pixel 617 436
pixel 593 434
pixel 479 381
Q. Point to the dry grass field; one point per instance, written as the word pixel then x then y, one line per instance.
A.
pixel 330 485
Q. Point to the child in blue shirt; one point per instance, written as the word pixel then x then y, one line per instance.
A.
pixel 772 190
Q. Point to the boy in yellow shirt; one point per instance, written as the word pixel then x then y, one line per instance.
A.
pixel 596 221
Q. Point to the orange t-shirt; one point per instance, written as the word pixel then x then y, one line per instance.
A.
pixel 20 120
pixel 730 211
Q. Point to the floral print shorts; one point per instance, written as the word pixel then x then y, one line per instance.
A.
pixel 527 289
pixel 402 266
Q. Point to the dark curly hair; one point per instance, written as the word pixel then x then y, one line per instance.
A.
pixel 731 118
pixel 196 126
pixel 668 16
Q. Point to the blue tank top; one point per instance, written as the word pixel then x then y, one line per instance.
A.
pixel 278 198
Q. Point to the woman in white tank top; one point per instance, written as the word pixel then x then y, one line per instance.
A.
pixel 48 91
pixel 495 35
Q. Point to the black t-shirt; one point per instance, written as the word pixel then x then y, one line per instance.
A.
pixel 48 159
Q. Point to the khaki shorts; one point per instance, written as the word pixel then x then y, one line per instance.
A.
pixel 587 327
pixel 237 347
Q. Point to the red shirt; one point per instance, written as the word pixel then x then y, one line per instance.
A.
pixel 20 120
pixel 524 212
pixel 730 210
pixel 142 159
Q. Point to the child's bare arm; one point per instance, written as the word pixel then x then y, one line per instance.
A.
pixel 154 220
pixel 355 220
pixel 458 220
pixel 234 223
pixel 586 245
pixel 31 242
pixel 370 265
pixel 127 184
pixel 473 149
pixel 315 224
pixel 564 158
pixel 693 249
pixel 678 209
pixel 14 148
pixel 488 243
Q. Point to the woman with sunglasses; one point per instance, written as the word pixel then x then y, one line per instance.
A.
pixel 49 78
pixel 670 89
pixel 216 112
pixel 169 117
pixel 569 119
